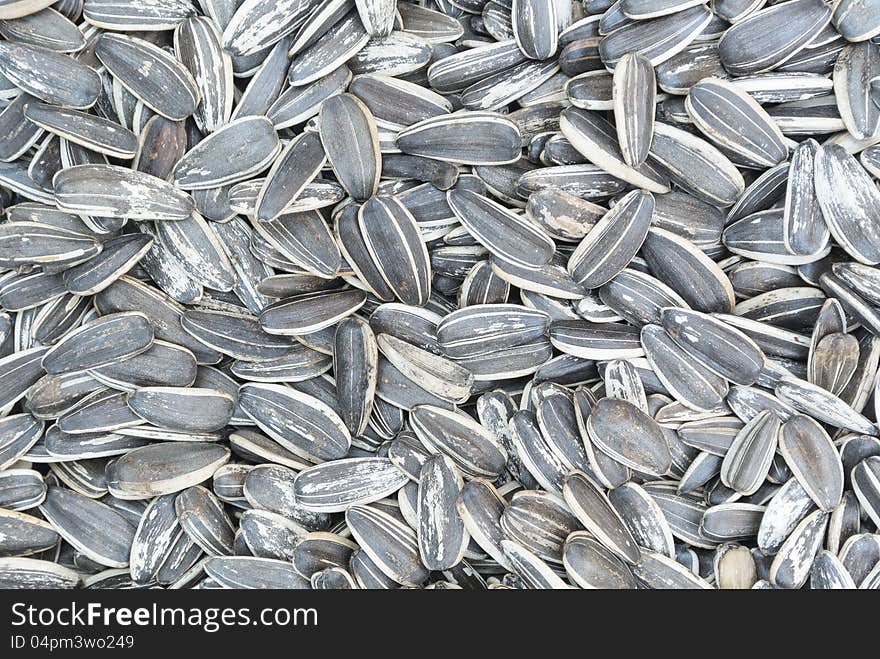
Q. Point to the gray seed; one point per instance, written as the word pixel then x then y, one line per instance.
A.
pixel 856 65
pixel 627 434
pixel 139 15
pixel 473 450
pixel 643 517
pixel 613 241
pixel 847 197
pixel 634 96
pixel 257 24
pixel 791 566
pixel 659 571
pixel 590 565
pixel 299 422
pixel 98 190
pixel 722 349
pixel 748 459
pixel 657 39
pixel 693 385
pixel 106 340
pixel 235 152
pixel 52 77
pixel 442 535
pixel 94 133
pixel 388 543
pixel 597 140
pixel 197 44
pixel 534 572
pixel 350 138
pixel 336 486
pixel 186 409
pixel 535 28
pixel 695 165
pixel 765 39
pixel 467 138
pixel 866 484
pixel 346 38
pixel 595 512
pixel 93 528
pixel 164 468
pixel 391 237
pixel 167 87
pixel 253 572
pixel 735 122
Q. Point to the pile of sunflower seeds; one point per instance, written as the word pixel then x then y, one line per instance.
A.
pixel 468 294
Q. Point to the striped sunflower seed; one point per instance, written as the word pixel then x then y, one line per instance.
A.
pixel 419 279
pixel 299 422
pixel 336 486
pixel 97 190
pixel 634 96
pixel 748 459
pixel 164 468
pixel 50 76
pixel 149 73
pixel 235 152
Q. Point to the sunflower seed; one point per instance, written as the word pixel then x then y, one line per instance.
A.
pixel 613 241
pixel 847 196
pixel 442 535
pixel 350 138
pixel 136 15
pixel 271 487
pixel 722 349
pixel 392 239
pixel 614 424
pixel 791 566
pixel 390 544
pixel 697 166
pixel 93 528
pixel 455 434
pixel 693 385
pixel 659 571
pixel 535 28
pixel 590 565
pixel 597 140
pixel 197 44
pixel 52 77
pixel 150 74
pixel 643 517
pixel 235 152
pixel 688 271
pixel 768 38
pixel 164 468
pixel 634 96
pixel 253 572
pixel 107 340
pixel 342 41
pixel 310 312
pixel 534 572
pixel 337 485
pixel 865 484
pixel 97 190
pixel 748 459
pixel 467 138
pixel 656 39
pixel 856 65
pixel 175 407
pixel 202 518
pixel 596 513
pixel 811 456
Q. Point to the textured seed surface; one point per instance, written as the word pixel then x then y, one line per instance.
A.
pixel 439 294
